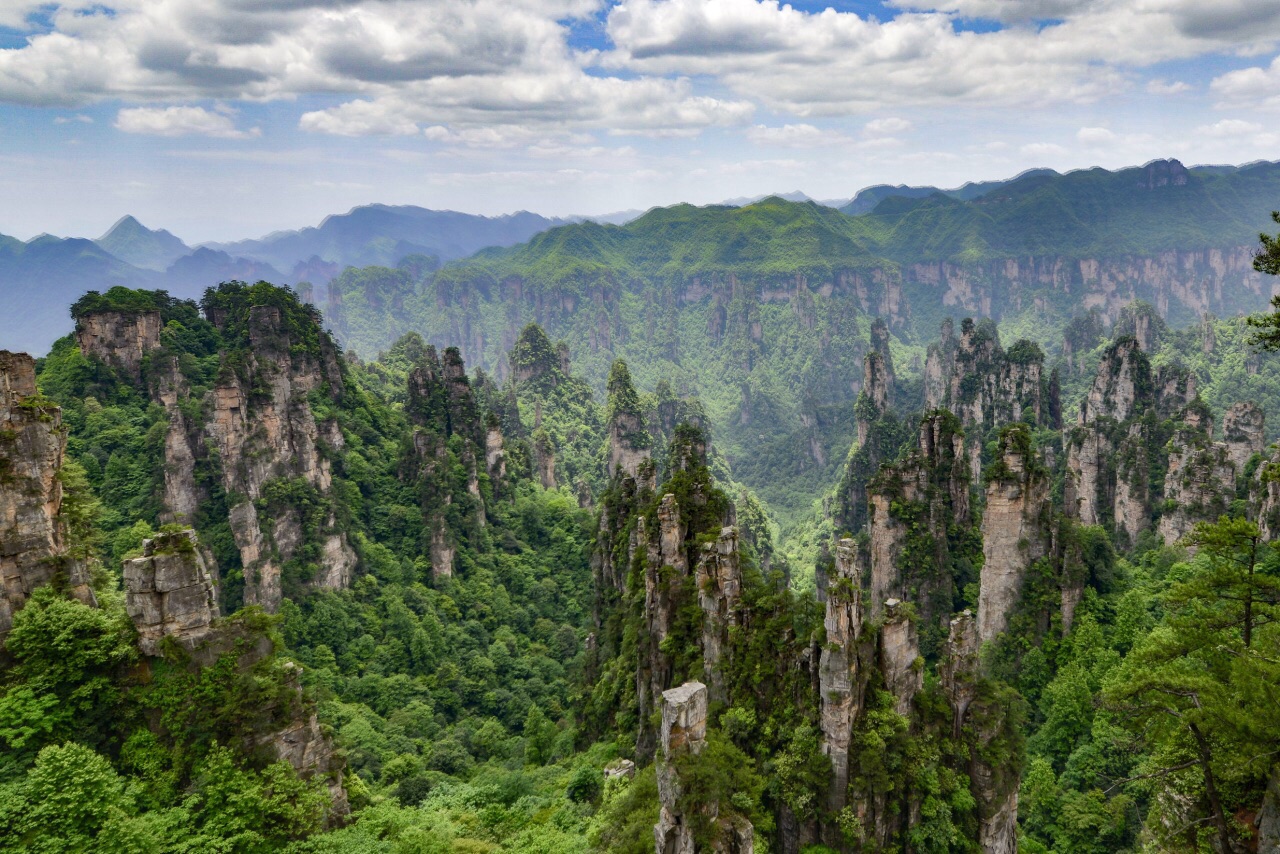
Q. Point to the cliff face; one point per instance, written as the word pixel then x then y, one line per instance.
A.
pixel 983 384
pixel 441 406
pixel 683 734
pixel 1104 486
pixel 900 661
pixel 718 576
pixel 34 548
pixel 915 507
pixel 122 339
pixel 170 593
pixel 1201 479
pixel 1015 529
pixel 256 422
pixel 1195 282
pixel 838 672
pixel 666 569
pixel 1137 428
pixel 264 431
pixel 878 431
pixel 1199 484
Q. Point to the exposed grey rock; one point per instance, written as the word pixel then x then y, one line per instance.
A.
pixel 900 661
pixel 684 731
pixel 838 669
pixel 1014 530
pixel 719 579
pixel 1269 816
pixel 1244 432
pixel 121 339
pixel 34 548
pixel 169 592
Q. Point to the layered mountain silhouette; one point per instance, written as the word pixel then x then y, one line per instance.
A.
pixel 1092 213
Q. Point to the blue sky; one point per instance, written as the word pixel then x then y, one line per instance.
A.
pixel 221 119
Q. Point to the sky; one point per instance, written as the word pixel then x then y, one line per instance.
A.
pixel 225 119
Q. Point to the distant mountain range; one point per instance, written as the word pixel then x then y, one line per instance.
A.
pixel 1093 213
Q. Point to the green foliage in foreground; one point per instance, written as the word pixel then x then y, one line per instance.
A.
pixel 101 753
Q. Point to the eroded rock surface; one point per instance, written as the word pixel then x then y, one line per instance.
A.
pixel 122 339
pixel 719 579
pixel 683 733
pixel 169 592
pixel 1015 528
pixel 34 547
pixel 900 660
pixel 838 668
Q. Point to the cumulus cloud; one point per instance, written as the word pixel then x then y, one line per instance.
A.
pixel 1255 86
pixel 1096 136
pixel 795 136
pixel 830 62
pixel 887 126
pixel 1043 150
pixel 1162 87
pixel 180 121
pixel 405 64
pixel 674 67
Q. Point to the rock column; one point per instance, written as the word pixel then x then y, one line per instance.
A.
pixel 33 539
pixel 169 592
pixel 838 669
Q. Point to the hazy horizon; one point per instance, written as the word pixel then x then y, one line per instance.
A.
pixel 224 119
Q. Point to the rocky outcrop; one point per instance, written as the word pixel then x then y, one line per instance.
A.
pixel 495 454
pixel 34 546
pixel 683 734
pixel 1015 528
pixel 980 720
pixel 985 385
pixel 665 571
pixel 1104 486
pixel 900 661
pixel 838 675
pixel 877 386
pixel 1268 823
pixel 920 502
pixel 1244 433
pixel 304 744
pixel 719 579
pixel 544 459
pixel 121 339
pixel 629 440
pixel 170 593
pixel 684 730
pixel 443 407
pixel 264 431
pixel 1199 484
pixel 958 668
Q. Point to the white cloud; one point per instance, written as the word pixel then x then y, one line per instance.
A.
pixel 1229 128
pixel 830 63
pixel 1256 87
pixel 1043 150
pixel 887 126
pixel 82 119
pixel 1239 132
pixel 795 136
pixel 1096 136
pixel 675 67
pixel 180 121
pixel 1161 87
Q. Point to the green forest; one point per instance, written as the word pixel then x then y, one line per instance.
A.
pixel 779 576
